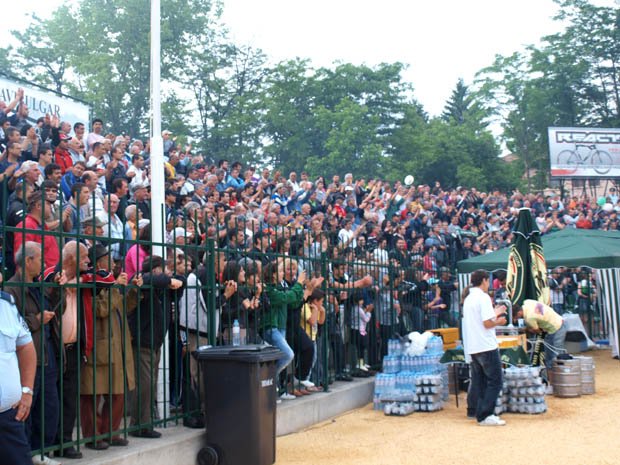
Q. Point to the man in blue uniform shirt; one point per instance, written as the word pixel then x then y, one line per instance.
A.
pixel 18 364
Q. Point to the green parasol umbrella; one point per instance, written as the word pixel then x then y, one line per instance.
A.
pixel 527 270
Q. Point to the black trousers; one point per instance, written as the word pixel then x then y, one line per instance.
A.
pixel 337 351
pixel 69 392
pixel 304 353
pixel 387 332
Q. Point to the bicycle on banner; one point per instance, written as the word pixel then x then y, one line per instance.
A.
pixel 571 160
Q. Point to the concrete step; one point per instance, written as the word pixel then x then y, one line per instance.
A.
pixel 296 415
pixel 179 445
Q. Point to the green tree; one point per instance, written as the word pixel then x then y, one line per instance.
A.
pixel 44 50
pixel 511 92
pixel 5 59
pixel 592 39
pixel 174 116
pixel 352 142
pixel 307 110
pixel 410 143
pixel 227 84
pixel 289 102
pixel 462 107
pixel 106 45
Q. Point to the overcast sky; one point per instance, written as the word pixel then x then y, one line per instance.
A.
pixel 440 41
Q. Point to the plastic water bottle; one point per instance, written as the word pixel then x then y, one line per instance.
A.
pixel 236 334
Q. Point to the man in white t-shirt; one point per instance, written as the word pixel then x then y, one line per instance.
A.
pixel 136 172
pixel 481 349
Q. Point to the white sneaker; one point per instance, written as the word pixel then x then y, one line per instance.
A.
pixel 37 460
pixel 367 367
pixel 363 368
pixel 549 390
pixel 287 396
pixel 307 383
pixel 492 420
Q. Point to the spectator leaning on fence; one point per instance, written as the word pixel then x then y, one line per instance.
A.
pixel 103 379
pixel 43 325
pixel 148 328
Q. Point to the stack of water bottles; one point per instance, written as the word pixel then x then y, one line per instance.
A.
pixel 523 391
pixel 411 382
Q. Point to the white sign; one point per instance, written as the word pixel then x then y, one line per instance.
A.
pixel 41 101
pixel 584 152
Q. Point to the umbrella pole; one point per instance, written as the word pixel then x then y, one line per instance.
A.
pixel 537 350
pixel 456 384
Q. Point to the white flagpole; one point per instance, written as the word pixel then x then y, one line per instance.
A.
pixel 157 187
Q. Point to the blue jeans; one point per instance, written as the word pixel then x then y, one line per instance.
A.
pixel 558 308
pixel 486 382
pixel 277 337
pixel 556 341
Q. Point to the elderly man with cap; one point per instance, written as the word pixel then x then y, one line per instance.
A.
pixel 140 196
pixel 103 381
pixel 18 366
pixel 93 227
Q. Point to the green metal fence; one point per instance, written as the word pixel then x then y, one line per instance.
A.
pixel 127 312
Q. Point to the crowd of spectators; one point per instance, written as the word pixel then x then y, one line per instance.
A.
pixel 326 269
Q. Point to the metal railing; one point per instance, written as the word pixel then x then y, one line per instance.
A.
pixel 114 354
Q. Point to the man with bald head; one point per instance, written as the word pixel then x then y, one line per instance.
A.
pixel 43 325
pixel 74 262
pixel 76 338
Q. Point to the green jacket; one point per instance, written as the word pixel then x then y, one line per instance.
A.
pixel 279 299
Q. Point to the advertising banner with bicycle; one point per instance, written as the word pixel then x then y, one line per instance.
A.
pixel 584 152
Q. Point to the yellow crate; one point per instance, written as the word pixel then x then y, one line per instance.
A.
pixel 449 346
pixel 449 335
pixel 506 342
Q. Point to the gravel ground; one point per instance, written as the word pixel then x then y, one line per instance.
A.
pixel 579 431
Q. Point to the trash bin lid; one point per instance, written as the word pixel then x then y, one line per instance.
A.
pixel 251 353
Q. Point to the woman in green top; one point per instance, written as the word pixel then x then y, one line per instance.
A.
pixel 274 321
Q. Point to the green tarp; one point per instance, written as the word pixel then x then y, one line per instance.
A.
pixel 512 356
pixel 568 247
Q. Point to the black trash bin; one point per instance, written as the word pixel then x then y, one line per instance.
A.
pixel 240 402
